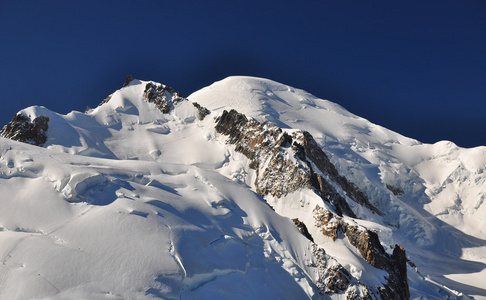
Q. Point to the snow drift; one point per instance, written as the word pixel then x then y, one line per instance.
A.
pixel 153 195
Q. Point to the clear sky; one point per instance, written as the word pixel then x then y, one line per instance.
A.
pixel 416 67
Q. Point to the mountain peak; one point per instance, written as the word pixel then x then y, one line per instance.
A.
pixel 128 80
pixel 247 187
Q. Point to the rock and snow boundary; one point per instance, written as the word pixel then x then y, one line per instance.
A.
pixel 153 195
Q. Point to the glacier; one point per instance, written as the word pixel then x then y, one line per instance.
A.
pixel 146 197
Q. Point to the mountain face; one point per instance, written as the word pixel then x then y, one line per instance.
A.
pixel 246 189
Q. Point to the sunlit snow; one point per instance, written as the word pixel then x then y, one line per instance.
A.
pixel 125 202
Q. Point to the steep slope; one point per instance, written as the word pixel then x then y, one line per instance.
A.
pixel 431 195
pixel 112 221
pixel 154 195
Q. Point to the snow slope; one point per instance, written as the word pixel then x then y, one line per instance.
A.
pixel 441 187
pixel 128 202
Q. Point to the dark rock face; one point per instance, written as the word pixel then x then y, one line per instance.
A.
pixel 268 149
pixel 164 97
pixel 262 143
pixel 395 190
pixel 303 229
pixel 333 278
pixel 203 111
pixel 317 156
pixel 370 248
pixel 129 79
pixel 397 287
pixel 23 130
pixel 265 143
pixel 337 279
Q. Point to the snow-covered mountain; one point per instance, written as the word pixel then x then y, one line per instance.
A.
pixel 246 189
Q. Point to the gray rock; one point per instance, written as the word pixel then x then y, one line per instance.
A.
pixel 22 129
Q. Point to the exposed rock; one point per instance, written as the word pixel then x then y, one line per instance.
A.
pixel 104 101
pixel 129 79
pixel 333 278
pixel 164 97
pixel 395 190
pixel 203 111
pixel 262 143
pixel 317 156
pixel 303 229
pixel 281 174
pixel 337 279
pixel 22 129
pixel 370 248
pixel 397 287
pixel 285 163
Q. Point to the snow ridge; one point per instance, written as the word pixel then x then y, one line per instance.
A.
pixel 153 195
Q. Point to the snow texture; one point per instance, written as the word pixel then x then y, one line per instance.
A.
pixel 143 198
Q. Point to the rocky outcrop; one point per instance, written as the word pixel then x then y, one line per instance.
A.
pixel 164 97
pixel 395 190
pixel 129 79
pixel 316 155
pixel 333 278
pixel 203 111
pixel 368 245
pixel 397 287
pixel 303 229
pixel 265 145
pixel 22 129
pixel 288 162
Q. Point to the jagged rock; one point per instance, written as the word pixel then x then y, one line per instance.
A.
pixel 203 111
pixel 105 100
pixel 337 279
pixel 370 248
pixel 282 175
pixel 368 245
pixel 129 79
pixel 267 147
pixel 317 156
pixel 22 129
pixel 333 278
pixel 395 190
pixel 397 282
pixel 303 229
pixel 164 97
pixel 261 143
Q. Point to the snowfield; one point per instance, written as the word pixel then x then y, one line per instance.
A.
pixel 127 202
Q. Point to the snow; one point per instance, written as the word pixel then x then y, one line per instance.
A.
pixel 440 182
pixel 131 234
pixel 125 202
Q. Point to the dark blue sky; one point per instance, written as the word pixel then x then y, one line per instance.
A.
pixel 416 67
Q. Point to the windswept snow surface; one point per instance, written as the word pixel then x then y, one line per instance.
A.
pixel 125 202
pixel 438 214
